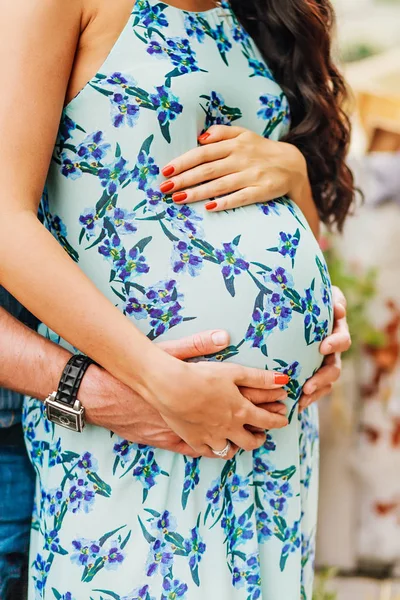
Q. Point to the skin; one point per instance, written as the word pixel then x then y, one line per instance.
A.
pixel 200 402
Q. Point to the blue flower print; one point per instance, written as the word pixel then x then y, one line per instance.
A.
pixel 260 69
pixel 123 221
pixel 185 220
pixel 163 319
pixel 37 452
pixel 145 171
pixel 136 308
pixel 67 596
pixel 240 35
pixel 310 307
pixel 69 168
pixel 41 568
pixel 52 501
pixel 239 487
pixel 132 264
pixel 195 548
pixel 55 456
pixel 112 555
pixel 81 496
pixel 288 245
pixel 264 531
pixel 179 51
pixel 84 552
pixel 192 474
pixel 223 43
pixel 325 294
pixel 93 148
pixel 161 558
pixel 52 541
pixel 320 331
pixel 217 112
pixel 90 222
pixel 153 16
pixel 112 249
pixel 270 208
pixel 279 277
pixel 263 323
pixel 232 263
pixel 124 110
pixel 214 495
pixel 117 79
pixel 88 463
pixel 30 430
pixel 167 104
pixel 279 307
pixel 147 470
pixel 292 539
pixel 124 451
pixel 186 258
pixel 142 593
pixel 67 125
pixel 155 199
pixel 114 175
pixel 253 577
pixel 193 27
pixel 173 589
pixel 272 106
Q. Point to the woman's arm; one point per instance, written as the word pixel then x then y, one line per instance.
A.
pixel 201 402
pixel 237 167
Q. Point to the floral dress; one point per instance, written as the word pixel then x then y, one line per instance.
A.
pixel 120 521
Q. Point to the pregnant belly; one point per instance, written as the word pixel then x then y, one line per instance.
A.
pixel 256 272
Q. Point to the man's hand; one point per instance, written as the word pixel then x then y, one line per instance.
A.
pixel 332 347
pixel 112 405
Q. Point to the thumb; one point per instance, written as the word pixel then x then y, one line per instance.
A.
pixel 199 344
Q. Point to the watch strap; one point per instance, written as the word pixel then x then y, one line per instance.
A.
pixel 71 378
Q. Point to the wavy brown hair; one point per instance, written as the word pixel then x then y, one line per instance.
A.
pixel 294 37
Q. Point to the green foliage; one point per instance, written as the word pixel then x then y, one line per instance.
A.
pixel 359 288
pixel 358 51
pixel 321 582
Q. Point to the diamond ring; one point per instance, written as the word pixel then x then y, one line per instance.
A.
pixel 224 452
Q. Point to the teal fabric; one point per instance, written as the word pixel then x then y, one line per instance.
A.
pixel 116 520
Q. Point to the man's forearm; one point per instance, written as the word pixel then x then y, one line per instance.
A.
pixel 29 363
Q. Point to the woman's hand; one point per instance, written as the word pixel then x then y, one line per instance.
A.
pixel 236 167
pixel 339 341
pixel 201 402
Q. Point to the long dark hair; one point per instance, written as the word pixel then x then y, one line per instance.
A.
pixel 294 37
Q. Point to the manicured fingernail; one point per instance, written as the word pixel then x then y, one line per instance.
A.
pixel 167 186
pixel 220 338
pixel 211 205
pixel 168 171
pixel 281 378
pixel 179 196
pixel 204 136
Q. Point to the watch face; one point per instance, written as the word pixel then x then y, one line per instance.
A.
pixel 66 417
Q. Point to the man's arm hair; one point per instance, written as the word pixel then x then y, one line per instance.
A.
pixel 29 363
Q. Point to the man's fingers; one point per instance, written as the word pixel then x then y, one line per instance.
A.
pixel 306 401
pixel 340 341
pixel 257 378
pixel 263 396
pixel 200 344
pixel 264 419
pixel 338 297
pixel 326 375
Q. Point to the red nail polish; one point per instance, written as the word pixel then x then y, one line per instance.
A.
pixel 179 196
pixel 211 205
pixel 204 136
pixel 281 379
pixel 168 171
pixel 167 186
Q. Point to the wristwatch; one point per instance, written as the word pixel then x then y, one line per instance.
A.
pixel 63 406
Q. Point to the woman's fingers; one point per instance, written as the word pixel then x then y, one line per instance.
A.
pixel 198 175
pixel 217 133
pixel 326 375
pixel 258 396
pixel 305 401
pixel 340 340
pixel 217 187
pixel 257 378
pixel 243 197
pixel 195 157
pixel 199 344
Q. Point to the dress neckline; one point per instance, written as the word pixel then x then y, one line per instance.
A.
pixel 224 5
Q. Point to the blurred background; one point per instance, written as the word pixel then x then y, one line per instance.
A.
pixel 358 554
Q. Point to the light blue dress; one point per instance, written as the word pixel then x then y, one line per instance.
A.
pixel 117 521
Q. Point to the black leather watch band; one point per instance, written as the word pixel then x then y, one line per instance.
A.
pixel 71 378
